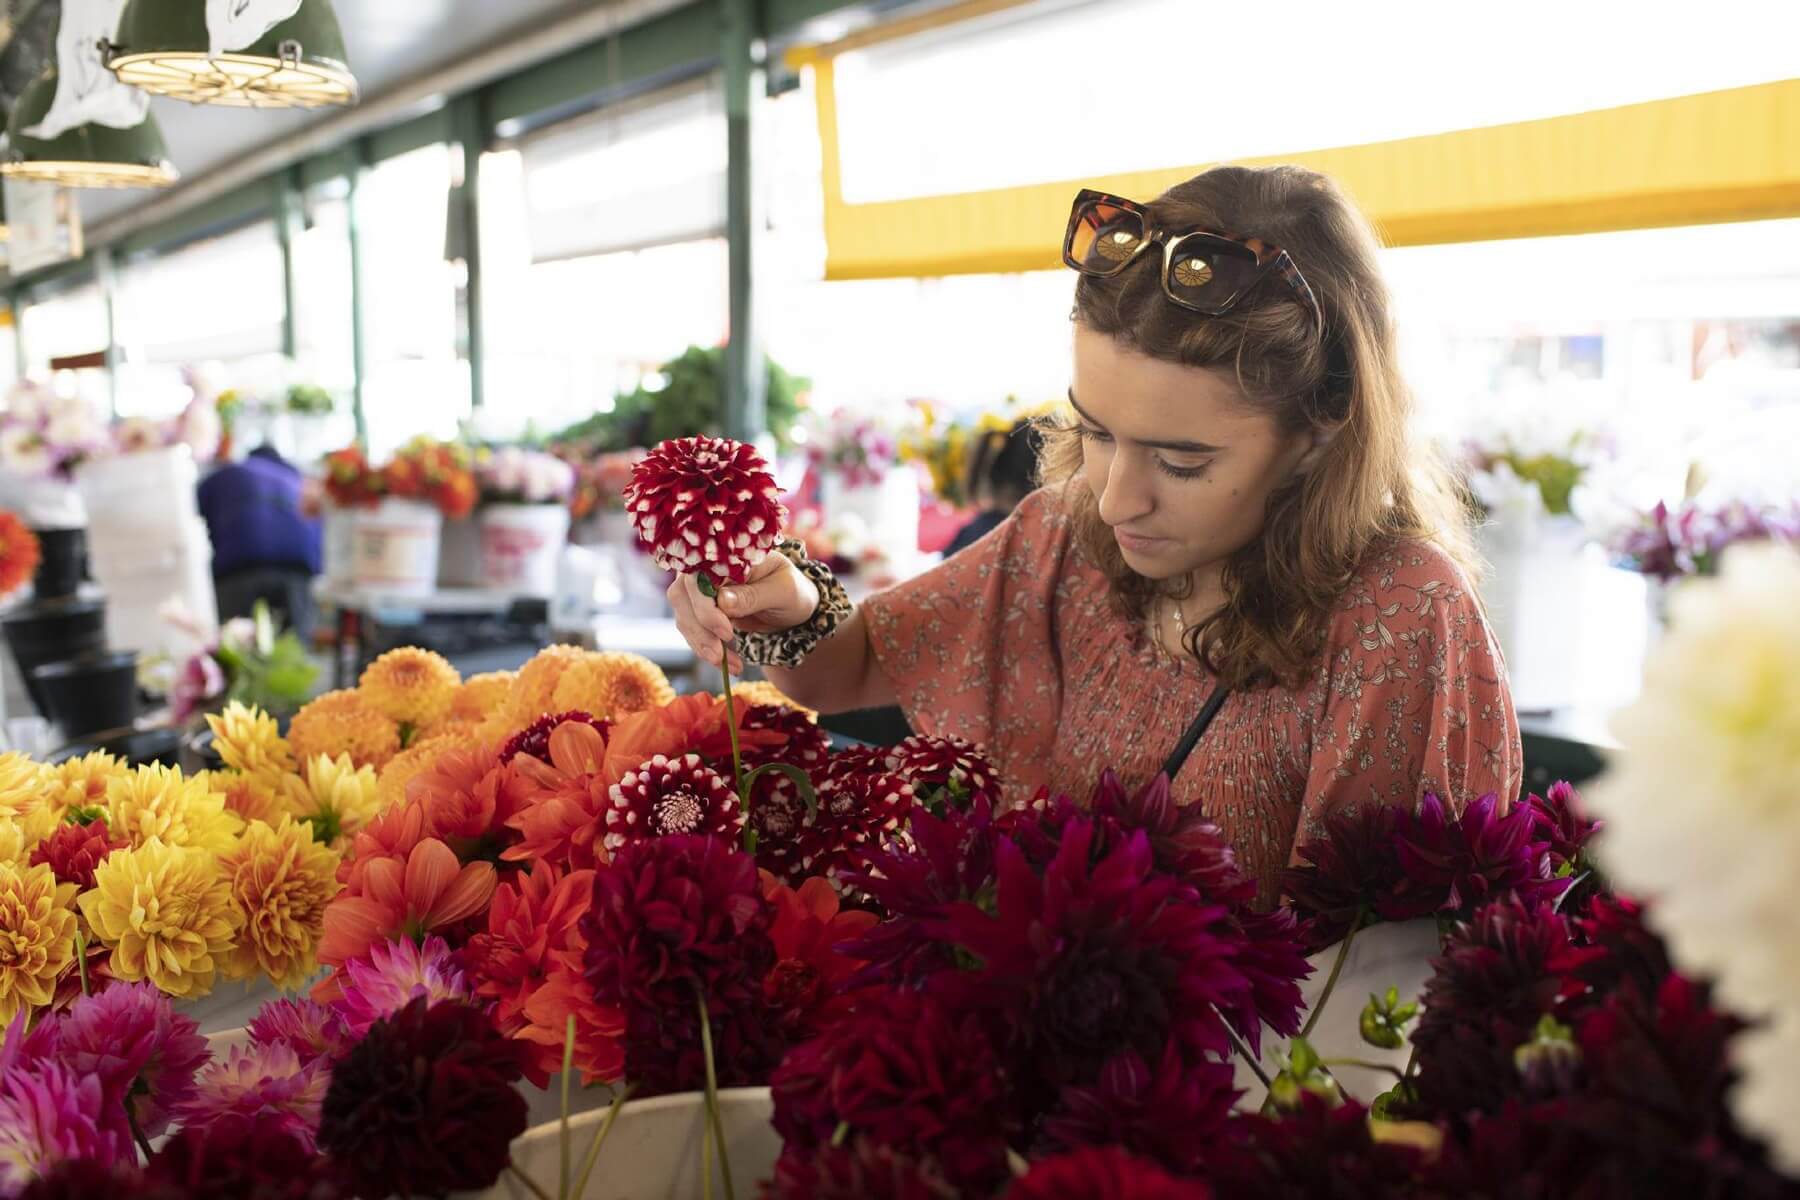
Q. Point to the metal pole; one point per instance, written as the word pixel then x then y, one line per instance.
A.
pixel 746 378
pixel 16 298
pixel 471 133
pixel 106 278
pixel 287 228
pixel 359 330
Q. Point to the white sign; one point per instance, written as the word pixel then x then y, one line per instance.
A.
pixel 237 24
pixel 86 92
pixel 41 225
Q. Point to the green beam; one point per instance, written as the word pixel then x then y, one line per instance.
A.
pixel 746 381
pixel 288 230
pixel 16 298
pixel 472 136
pixel 106 278
pixel 359 286
pixel 235 208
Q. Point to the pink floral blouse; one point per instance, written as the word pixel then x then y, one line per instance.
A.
pixel 1015 644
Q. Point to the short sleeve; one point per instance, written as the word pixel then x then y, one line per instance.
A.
pixel 969 646
pixel 1414 696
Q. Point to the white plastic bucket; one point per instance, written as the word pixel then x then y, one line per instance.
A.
pixel 337 544
pixel 142 489
pixel 394 547
pixel 459 557
pixel 520 546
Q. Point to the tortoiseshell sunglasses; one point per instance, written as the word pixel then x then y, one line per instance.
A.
pixel 1204 272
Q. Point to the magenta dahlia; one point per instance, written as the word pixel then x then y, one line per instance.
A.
pixel 534 739
pixel 90 1179
pixel 246 1156
pixel 50 1114
pixel 862 1169
pixel 905 1072
pixel 130 1038
pixel 269 1082
pixel 1352 875
pixel 427 1103
pixel 705 504
pixel 73 851
pixel 1103 1173
pixel 392 975
pixel 310 1029
pixel 668 796
pixel 1169 1112
pixel 1183 843
pixel 1456 865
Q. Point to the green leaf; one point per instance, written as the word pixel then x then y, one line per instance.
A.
pixel 708 588
pixel 1303 1060
pixel 802 781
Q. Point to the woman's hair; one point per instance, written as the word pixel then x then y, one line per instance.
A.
pixel 1003 465
pixel 1374 481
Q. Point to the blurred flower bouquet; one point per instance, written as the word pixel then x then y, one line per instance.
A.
pixel 435 472
pixel 1690 539
pixel 351 481
pixel 944 445
pixel 858 449
pixel 44 434
pixel 514 475
pixel 1529 455
pixel 252 663
pixel 600 481
pixel 19 554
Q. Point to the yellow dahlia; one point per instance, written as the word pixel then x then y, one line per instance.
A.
pixel 480 696
pixel 166 913
pixel 612 684
pixel 281 880
pixel 37 936
pixel 250 740
pixel 157 802
pixel 252 797
pixel 344 723
pixel 81 782
pixel 414 687
pixel 336 798
pixel 19 836
pixel 23 789
pixel 534 691
pixel 761 691
pixel 410 763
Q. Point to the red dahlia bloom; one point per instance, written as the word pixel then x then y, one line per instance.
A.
pixel 947 765
pixel 705 504
pixel 1456 865
pixel 1351 875
pixel 862 1170
pixel 534 739
pixel 861 805
pixel 239 1156
pixel 1104 1173
pixel 1169 1113
pixel 73 851
pixel 671 796
pixel 804 988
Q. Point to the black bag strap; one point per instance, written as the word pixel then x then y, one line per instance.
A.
pixel 1195 731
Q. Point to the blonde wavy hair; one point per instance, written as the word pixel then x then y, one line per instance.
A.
pixel 1376 482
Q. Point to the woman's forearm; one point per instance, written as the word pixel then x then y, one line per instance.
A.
pixel 840 675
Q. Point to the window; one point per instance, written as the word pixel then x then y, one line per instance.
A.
pixel 324 349
pixel 70 323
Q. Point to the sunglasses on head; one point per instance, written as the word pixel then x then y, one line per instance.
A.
pixel 1202 271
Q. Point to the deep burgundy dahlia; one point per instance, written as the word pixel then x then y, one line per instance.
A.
pixel 1183 843
pixel 1315 1150
pixel 1169 1112
pixel 1456 865
pixel 534 739
pixel 862 804
pixel 705 504
pixel 426 1103
pixel 1103 1173
pixel 1351 875
pixel 860 1170
pixel 1614 949
pixel 73 851
pixel 241 1157
pixel 807 746
pixel 668 796
pixel 89 1179
pixel 905 1072
pixel 783 826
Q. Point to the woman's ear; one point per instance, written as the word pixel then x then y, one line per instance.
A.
pixel 1322 437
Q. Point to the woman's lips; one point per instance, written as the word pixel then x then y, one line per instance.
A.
pixel 1137 543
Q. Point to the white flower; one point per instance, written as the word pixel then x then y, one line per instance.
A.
pixel 23 452
pixel 1702 806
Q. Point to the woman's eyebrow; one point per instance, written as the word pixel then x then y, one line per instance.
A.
pixel 1178 447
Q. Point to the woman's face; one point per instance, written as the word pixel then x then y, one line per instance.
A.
pixel 1179 461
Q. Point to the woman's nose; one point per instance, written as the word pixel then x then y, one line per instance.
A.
pixel 1126 495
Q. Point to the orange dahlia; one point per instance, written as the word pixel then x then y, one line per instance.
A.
pixel 18 554
pixel 468 798
pixel 411 686
pixel 611 684
pixel 408 765
pixel 561 818
pixel 534 691
pixel 762 692
pixel 481 695
pixel 249 796
pixel 344 723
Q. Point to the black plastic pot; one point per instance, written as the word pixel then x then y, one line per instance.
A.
pixel 63 564
pixel 47 631
pixel 91 694
pixel 136 747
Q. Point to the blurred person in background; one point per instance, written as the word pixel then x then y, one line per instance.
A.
pixel 1002 472
pixel 264 545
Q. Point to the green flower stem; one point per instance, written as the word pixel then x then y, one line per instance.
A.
pixel 568 1065
pixel 137 1133
pixel 1365 1065
pixel 1337 968
pixel 1243 1052
pixel 593 1154
pixel 81 959
pixel 737 760
pixel 712 1095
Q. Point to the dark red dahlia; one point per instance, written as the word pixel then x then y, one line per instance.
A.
pixel 944 770
pixel 90 1178
pixel 905 1072
pixel 1315 1150
pixel 1614 948
pixel 1103 1173
pixel 73 851
pixel 861 1170
pixel 1563 825
pixel 426 1103
pixel 241 1157
pixel 783 825
pixel 668 796
pixel 807 746
pixel 672 919
pixel 1169 1113
pixel 534 739
pixel 1183 843
pixel 1486 995
pixel 1456 865
pixel 705 505
pixel 862 804
pixel 1351 876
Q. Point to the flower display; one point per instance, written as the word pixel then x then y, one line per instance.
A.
pixel 705 504
pixel 1691 539
pixel 350 481
pixel 281 881
pixel 857 448
pixel 130 1038
pixel 425 1104
pixel 664 797
pixel 268 1082
pixel 392 976
pixel 167 914
pixel 414 688
pixel 157 803
pixel 434 472
pixel 343 722
pixel 514 475
pixel 19 554
pixel 601 482
pixel 612 684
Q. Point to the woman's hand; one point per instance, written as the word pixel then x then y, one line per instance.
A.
pixel 776 596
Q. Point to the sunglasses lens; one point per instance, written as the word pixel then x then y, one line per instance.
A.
pixel 1106 236
pixel 1206 272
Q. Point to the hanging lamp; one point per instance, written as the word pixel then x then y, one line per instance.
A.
pixel 247 53
pixel 91 155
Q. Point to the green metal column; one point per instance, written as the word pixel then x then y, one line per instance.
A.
pixel 16 298
pixel 359 330
pixel 746 378
pixel 288 229
pixel 106 279
pixel 472 136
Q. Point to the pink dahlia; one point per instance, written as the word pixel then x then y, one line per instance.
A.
pixel 705 504
pixel 51 1114
pixel 1454 865
pixel 131 1039
pixel 668 796
pixel 267 1082
pixel 307 1027
pixel 394 974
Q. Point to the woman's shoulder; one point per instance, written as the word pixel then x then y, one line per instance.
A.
pixel 1407 581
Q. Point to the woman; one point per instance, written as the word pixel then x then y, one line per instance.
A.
pixel 1002 470
pixel 1237 525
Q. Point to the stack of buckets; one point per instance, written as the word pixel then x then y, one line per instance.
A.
pixel 59 641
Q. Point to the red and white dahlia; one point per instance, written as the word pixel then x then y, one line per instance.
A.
pixel 671 795
pixel 930 763
pixel 705 505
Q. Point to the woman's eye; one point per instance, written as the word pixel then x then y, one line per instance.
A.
pixel 1175 472
pixel 1093 435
